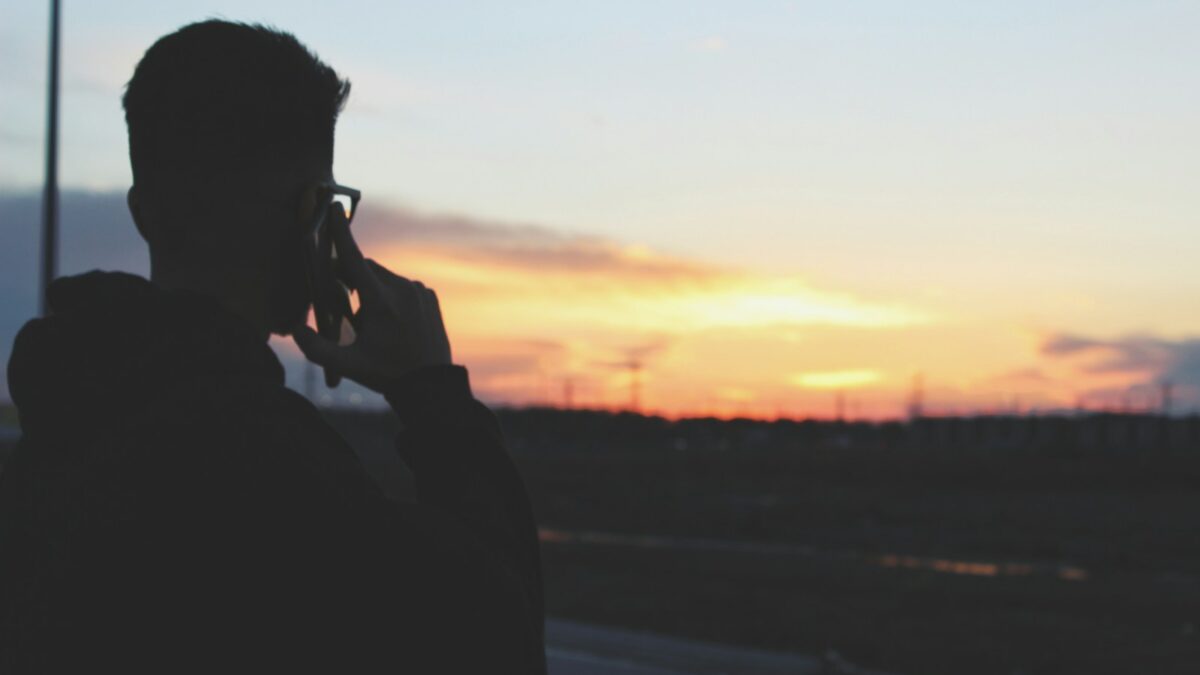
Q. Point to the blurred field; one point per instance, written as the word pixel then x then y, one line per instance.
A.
pixel 1131 521
pixel 816 519
pixel 833 502
pixel 1136 612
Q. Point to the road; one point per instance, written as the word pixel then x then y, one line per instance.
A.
pixel 581 649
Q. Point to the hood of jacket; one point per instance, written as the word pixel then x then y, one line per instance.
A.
pixel 112 340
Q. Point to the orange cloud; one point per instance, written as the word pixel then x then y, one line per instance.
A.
pixel 547 317
pixel 542 316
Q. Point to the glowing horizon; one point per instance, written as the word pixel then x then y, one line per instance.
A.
pixel 542 316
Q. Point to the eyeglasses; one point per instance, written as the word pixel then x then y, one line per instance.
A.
pixel 317 200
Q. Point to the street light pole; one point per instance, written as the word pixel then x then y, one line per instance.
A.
pixel 50 196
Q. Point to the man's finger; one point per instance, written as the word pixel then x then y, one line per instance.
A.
pixel 384 274
pixel 435 321
pixel 332 379
pixel 319 350
pixel 433 301
pixel 403 289
pixel 433 306
pixel 351 262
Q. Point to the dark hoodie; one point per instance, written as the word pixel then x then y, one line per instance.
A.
pixel 173 507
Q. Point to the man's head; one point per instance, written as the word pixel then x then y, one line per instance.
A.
pixel 228 124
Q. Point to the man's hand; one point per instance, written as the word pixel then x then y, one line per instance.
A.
pixel 398 327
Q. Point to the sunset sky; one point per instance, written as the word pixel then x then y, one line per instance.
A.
pixel 765 204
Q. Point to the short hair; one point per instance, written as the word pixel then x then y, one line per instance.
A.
pixel 218 96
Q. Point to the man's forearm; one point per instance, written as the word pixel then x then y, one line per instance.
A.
pixel 455 449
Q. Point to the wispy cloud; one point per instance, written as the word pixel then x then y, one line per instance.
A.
pixel 521 246
pixel 631 284
pixel 1117 367
pixel 1137 355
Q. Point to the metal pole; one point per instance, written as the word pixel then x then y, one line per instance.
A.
pixel 310 381
pixel 50 196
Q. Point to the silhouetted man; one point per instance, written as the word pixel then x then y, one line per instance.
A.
pixel 172 506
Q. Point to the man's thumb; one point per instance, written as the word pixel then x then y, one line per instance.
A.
pixel 317 349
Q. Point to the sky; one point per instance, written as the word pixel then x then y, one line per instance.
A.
pixel 766 205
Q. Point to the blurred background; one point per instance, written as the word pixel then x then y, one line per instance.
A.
pixel 861 330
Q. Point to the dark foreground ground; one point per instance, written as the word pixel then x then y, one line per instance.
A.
pixel 899 558
pixel 1136 610
pixel 1105 549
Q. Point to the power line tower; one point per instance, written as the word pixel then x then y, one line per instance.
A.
pixel 635 366
pixel 568 393
pixel 916 399
pixel 1168 388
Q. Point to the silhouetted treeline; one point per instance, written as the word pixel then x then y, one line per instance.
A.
pixel 549 429
pixel 544 428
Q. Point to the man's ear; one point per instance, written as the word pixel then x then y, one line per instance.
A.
pixel 138 213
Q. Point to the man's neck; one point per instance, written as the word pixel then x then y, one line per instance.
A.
pixel 225 289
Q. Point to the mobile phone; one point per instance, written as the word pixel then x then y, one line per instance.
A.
pixel 329 294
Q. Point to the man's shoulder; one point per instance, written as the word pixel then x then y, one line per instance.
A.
pixel 225 399
pixel 221 431
pixel 250 420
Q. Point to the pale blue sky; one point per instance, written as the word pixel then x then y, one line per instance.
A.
pixel 978 155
